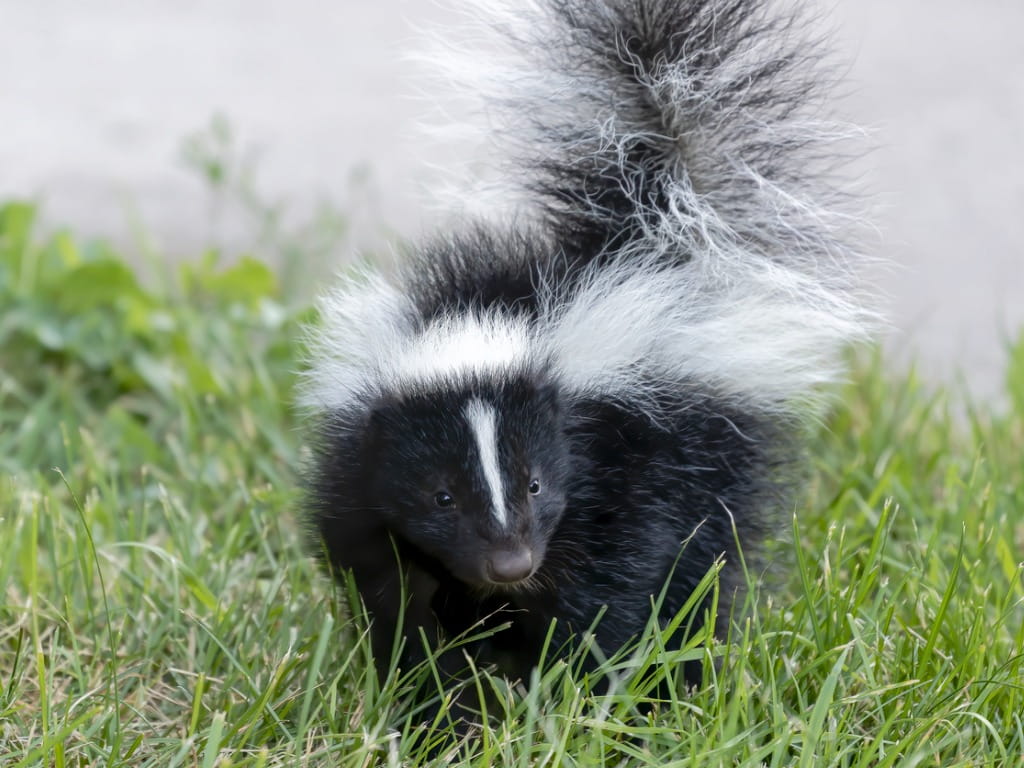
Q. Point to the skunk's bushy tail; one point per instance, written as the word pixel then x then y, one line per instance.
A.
pixel 678 153
pixel 695 123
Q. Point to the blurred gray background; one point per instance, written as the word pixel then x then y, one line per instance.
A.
pixel 96 99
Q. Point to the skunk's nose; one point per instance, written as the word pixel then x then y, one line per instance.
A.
pixel 509 566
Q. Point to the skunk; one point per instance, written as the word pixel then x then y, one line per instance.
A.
pixel 596 390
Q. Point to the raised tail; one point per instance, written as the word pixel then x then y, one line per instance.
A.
pixel 686 125
pixel 680 155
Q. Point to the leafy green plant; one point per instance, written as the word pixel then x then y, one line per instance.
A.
pixel 86 345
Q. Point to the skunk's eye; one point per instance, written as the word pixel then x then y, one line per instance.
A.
pixel 443 499
pixel 534 486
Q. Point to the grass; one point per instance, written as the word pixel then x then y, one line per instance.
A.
pixel 157 607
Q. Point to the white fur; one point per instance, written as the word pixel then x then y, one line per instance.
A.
pixel 483 423
pixel 370 345
pixel 766 337
pixel 362 324
pixel 459 347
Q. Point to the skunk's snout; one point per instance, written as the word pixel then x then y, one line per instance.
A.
pixel 509 566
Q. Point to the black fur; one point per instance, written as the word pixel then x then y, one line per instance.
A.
pixel 625 504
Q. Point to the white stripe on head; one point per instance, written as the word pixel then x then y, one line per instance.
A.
pixel 482 420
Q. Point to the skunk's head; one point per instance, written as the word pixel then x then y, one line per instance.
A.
pixel 473 477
